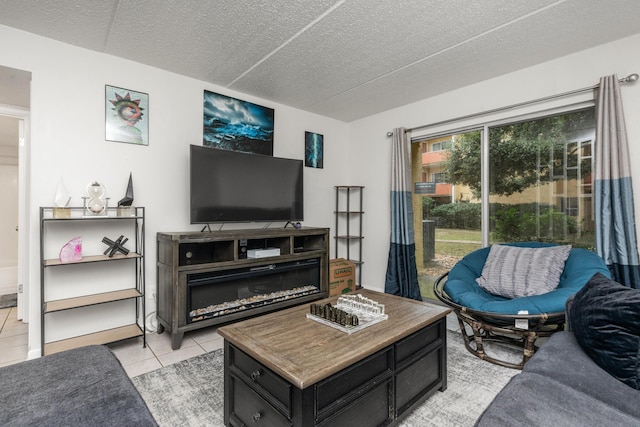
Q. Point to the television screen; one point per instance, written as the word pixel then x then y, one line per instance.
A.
pixel 232 186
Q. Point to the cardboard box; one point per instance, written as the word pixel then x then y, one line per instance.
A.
pixel 342 276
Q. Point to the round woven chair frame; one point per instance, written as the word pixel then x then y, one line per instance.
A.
pixel 494 327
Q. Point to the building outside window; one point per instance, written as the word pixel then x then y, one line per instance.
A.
pixel 441 145
pixel 437 177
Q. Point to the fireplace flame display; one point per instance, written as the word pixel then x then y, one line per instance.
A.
pixel 213 294
pixel 229 307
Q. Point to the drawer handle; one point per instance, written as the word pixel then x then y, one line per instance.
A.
pixel 256 417
pixel 255 375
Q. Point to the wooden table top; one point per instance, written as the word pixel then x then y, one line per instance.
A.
pixel 304 351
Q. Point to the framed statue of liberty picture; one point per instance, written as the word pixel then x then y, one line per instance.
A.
pixel 126 116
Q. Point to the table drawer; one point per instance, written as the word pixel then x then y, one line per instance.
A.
pixel 418 379
pixel 262 378
pixel 372 409
pixel 418 342
pixel 353 381
pixel 249 408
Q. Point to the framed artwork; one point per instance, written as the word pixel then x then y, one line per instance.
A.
pixel 313 150
pixel 126 116
pixel 236 125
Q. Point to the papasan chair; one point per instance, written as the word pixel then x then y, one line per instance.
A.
pixel 515 293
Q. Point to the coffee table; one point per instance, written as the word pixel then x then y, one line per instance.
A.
pixel 282 369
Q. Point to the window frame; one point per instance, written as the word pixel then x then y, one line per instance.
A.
pixel 437 177
pixel 484 124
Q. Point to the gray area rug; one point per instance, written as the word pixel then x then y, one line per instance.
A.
pixel 191 393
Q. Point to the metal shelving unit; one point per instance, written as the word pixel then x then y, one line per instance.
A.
pixel 348 227
pixel 84 298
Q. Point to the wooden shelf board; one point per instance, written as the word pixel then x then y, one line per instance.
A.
pixel 90 259
pixel 77 214
pixel 102 337
pixel 349 212
pixel 308 251
pixel 249 261
pixel 90 218
pixel 83 301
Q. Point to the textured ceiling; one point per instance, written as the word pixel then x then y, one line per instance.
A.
pixel 344 59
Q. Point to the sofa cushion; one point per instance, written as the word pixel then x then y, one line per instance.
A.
pixel 562 359
pixel 531 399
pixel 514 272
pixel 605 317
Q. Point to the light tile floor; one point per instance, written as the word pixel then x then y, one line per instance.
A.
pixel 135 359
pixel 13 337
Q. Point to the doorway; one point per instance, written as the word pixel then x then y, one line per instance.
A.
pixel 9 149
pixel 15 98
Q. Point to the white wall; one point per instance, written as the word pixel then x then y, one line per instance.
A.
pixel 370 143
pixel 68 141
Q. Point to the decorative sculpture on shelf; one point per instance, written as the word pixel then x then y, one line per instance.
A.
pixel 125 207
pixel 62 196
pixel 71 251
pixel 96 203
pixel 127 200
pixel 61 201
pixel 114 247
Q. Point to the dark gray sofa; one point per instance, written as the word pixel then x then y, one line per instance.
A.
pixel 562 385
pixel 81 387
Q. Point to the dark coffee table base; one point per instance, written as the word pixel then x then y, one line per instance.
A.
pixel 379 390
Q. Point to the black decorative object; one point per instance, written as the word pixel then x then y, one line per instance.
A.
pixel 334 314
pixel 127 200
pixel 114 247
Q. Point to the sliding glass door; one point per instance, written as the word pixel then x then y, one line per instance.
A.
pixel 540 180
pixel 530 181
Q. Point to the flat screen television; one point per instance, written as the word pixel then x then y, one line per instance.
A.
pixel 232 186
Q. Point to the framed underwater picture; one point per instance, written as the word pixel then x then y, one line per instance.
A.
pixel 236 125
pixel 126 116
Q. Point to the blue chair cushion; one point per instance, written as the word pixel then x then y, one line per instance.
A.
pixel 461 286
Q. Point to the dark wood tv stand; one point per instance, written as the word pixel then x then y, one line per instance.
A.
pixel 198 273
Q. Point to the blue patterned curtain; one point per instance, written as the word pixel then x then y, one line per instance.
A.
pixel 616 240
pixel 402 274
